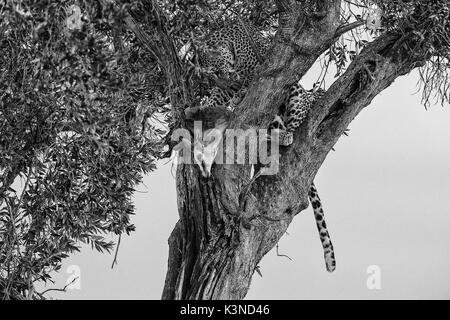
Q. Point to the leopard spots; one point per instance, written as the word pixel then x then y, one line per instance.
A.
pixel 230 55
pixel 234 53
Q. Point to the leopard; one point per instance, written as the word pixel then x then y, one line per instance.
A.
pixel 232 53
pixel 291 117
pixel 235 53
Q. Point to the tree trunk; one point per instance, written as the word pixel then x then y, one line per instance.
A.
pixel 213 249
pixel 223 231
pixel 227 224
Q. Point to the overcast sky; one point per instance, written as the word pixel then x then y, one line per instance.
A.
pixel 386 197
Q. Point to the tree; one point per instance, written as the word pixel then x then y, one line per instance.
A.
pixel 82 92
pixel 68 128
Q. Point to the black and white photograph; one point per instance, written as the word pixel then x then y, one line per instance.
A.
pixel 245 151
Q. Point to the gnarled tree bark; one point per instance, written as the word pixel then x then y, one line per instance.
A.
pixel 220 238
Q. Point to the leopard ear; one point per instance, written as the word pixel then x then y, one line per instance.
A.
pixel 277 123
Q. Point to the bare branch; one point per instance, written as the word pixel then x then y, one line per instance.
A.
pixel 117 251
pixel 348 27
pixel 282 255
pixel 57 289
pixel 371 72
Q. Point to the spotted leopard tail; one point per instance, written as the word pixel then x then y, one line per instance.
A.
pixel 330 261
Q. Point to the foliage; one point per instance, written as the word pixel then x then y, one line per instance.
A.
pixel 424 26
pixel 72 127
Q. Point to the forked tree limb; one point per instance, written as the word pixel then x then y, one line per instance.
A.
pixel 216 246
pixel 218 242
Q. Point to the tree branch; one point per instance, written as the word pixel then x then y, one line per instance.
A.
pixel 117 252
pixel 378 65
pixel 214 250
pixel 375 69
pixel 348 27
pixel 371 72
pixel 160 45
pixel 58 289
pixel 299 41
pixel 146 41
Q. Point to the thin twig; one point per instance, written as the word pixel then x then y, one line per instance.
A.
pixel 282 255
pixel 56 289
pixel 117 251
pixel 347 27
